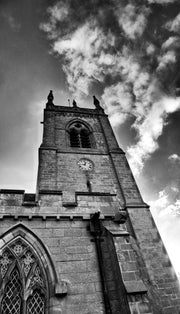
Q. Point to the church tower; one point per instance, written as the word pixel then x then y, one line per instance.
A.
pixel 86 242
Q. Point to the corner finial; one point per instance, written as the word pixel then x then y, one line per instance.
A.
pixel 97 103
pixel 74 104
pixel 50 99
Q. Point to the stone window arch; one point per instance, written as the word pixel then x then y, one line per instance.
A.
pixel 80 135
pixel 24 286
pixel 27 278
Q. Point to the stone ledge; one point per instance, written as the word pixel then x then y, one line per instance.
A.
pixel 61 288
pixel 69 204
pixel 135 287
pixel 117 151
pixel 47 147
pixel 30 204
pixel 136 205
pixel 118 233
pixel 78 150
pixel 5 191
pixel 51 192
pixel 54 192
pixel 95 193
pixel 79 110
pixel 44 216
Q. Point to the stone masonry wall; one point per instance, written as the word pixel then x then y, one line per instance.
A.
pixel 146 270
pixel 161 280
pixel 74 258
pixel 70 245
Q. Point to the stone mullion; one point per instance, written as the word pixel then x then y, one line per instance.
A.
pixel 23 306
pixel 79 139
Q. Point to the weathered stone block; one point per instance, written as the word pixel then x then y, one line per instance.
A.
pixel 135 286
pixel 61 288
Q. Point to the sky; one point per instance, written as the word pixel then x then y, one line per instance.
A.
pixel 127 53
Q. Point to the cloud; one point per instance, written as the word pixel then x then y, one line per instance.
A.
pixel 172 41
pixel 57 13
pixel 110 44
pixel 174 158
pixel 166 60
pixel 161 202
pixel 150 49
pixel 133 20
pixel 85 57
pixel 149 131
pixel 162 2
pixel 174 25
pixel 163 206
pixel 175 189
pixel 166 212
pixel 14 25
pixel 173 209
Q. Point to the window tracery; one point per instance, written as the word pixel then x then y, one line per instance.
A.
pixel 23 284
pixel 79 135
pixel 5 261
pixel 12 301
pixel 36 304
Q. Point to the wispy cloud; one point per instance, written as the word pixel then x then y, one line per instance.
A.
pixel 166 212
pixel 164 206
pixel 15 26
pixel 149 129
pixel 174 158
pixel 111 44
pixel 162 2
pixel 175 189
pixel 174 24
pixel 168 200
pixel 133 19
pixel 85 59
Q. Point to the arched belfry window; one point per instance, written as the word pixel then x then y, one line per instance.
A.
pixel 23 284
pixel 80 135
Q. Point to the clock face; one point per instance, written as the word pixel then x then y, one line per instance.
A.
pixel 85 164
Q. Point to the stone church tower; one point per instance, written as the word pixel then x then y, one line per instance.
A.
pixel 86 242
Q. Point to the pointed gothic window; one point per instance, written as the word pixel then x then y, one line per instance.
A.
pixel 23 285
pixel 79 135
pixel 12 299
pixel 36 304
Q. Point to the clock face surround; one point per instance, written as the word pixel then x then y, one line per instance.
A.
pixel 86 164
